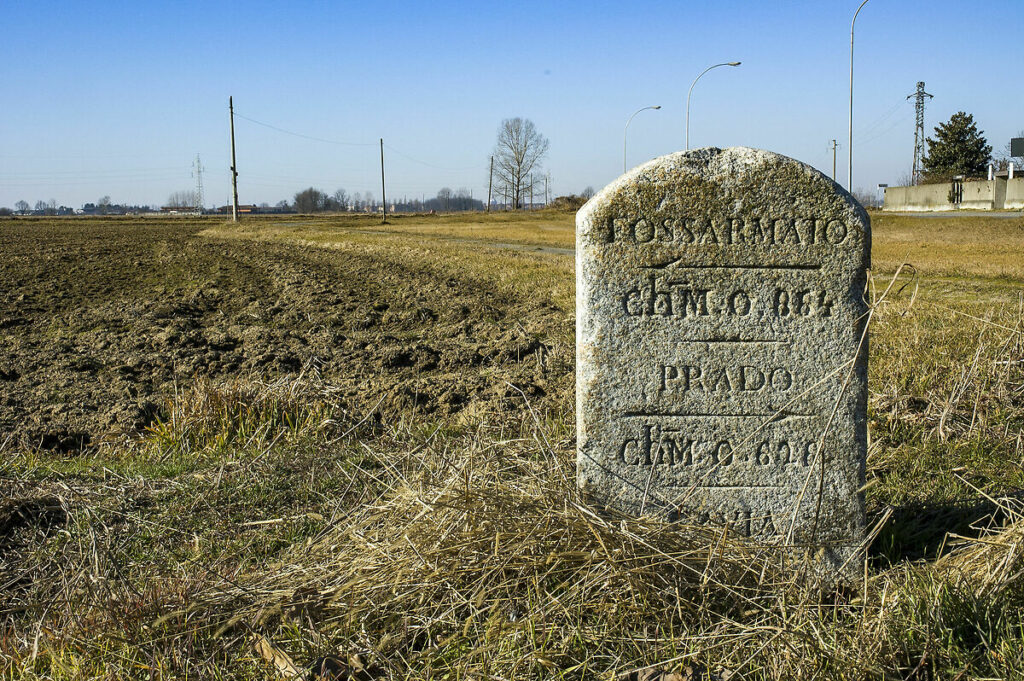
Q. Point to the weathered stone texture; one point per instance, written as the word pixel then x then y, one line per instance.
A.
pixel 720 346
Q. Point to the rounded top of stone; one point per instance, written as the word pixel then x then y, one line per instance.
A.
pixel 734 175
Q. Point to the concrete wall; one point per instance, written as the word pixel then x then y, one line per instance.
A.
pixel 1014 194
pixel 997 194
pixel 924 197
pixel 978 195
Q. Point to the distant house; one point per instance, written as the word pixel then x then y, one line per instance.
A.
pixel 242 208
pixel 179 210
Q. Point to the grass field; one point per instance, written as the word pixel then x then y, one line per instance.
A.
pixel 248 451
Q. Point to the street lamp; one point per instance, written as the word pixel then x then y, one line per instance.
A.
pixel 849 174
pixel 715 66
pixel 627 130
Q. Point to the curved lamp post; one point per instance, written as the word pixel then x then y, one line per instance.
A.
pixel 627 130
pixel 714 66
pixel 849 176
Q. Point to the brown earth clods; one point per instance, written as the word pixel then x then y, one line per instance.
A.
pixel 102 321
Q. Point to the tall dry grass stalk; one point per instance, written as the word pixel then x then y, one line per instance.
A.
pixel 481 561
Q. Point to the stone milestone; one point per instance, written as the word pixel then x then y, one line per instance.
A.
pixel 721 348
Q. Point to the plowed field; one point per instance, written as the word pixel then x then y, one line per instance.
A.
pixel 102 321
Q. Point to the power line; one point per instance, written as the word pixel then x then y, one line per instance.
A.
pixel 353 144
pixel 428 164
pixel 308 137
pixel 877 122
pixel 882 133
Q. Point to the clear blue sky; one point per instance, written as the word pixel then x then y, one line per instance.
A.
pixel 117 98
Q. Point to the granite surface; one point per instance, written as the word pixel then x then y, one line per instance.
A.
pixel 721 353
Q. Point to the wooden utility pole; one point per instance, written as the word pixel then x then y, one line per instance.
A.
pixel 234 168
pixel 490 180
pixel 383 196
pixel 833 160
pixel 531 191
pixel 547 200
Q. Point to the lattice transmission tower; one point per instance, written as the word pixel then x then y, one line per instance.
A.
pixel 918 96
pixel 197 172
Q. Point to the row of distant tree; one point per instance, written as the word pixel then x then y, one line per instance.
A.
pixel 104 206
pixel 313 200
pixel 515 180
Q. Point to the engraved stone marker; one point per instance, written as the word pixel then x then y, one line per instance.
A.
pixel 720 347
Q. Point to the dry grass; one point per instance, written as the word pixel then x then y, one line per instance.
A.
pixel 470 555
pixel 521 273
pixel 545 228
pixel 961 246
pixel 490 566
pixel 264 525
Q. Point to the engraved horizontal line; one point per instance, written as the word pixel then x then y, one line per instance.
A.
pixel 792 266
pixel 683 484
pixel 775 416
pixel 774 341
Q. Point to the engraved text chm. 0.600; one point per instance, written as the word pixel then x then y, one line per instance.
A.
pixel 657 445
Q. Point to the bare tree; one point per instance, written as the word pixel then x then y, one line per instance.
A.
pixel 866 197
pixel 444 195
pixel 310 200
pixel 1005 159
pixel 22 206
pixel 518 152
pixel 182 199
pixel 340 199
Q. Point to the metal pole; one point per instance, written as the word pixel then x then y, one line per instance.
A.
pixel 834 160
pixel 234 167
pixel 714 66
pixel 627 130
pixel 383 197
pixel 849 175
pixel 490 181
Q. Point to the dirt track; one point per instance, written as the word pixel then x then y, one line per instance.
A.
pixel 101 320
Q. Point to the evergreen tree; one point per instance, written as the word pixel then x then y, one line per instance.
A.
pixel 959 148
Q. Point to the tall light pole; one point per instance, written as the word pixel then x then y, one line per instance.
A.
pixel 627 130
pixel 714 66
pixel 849 175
